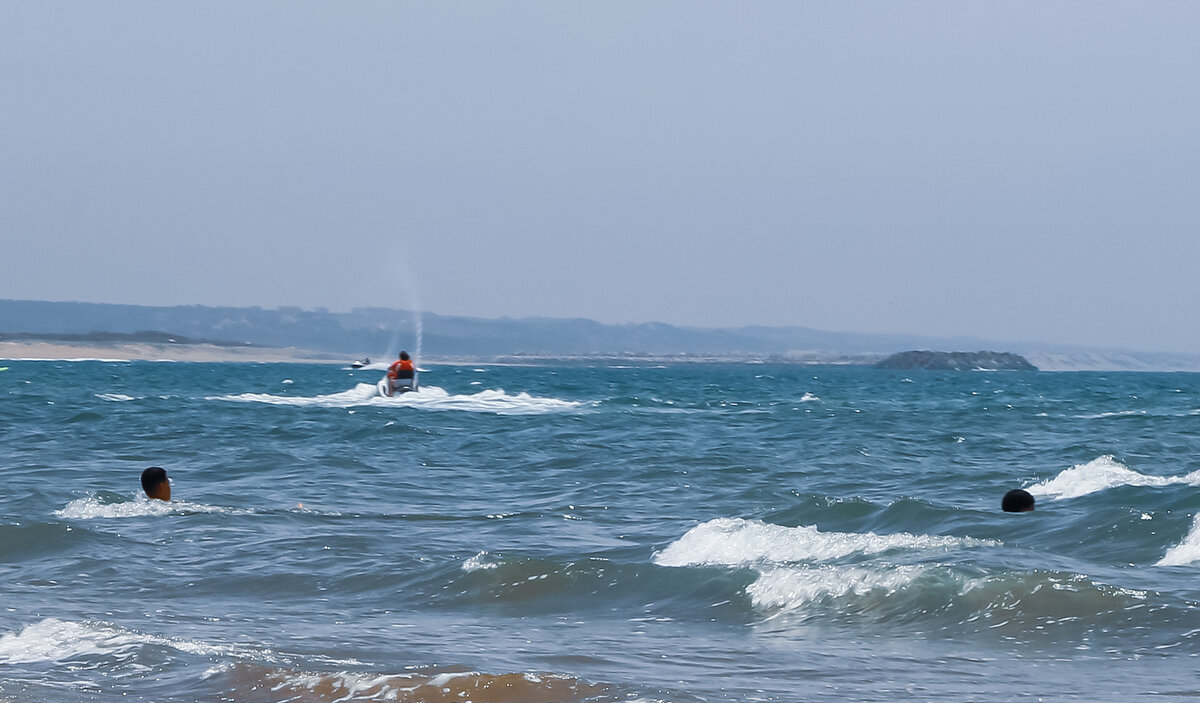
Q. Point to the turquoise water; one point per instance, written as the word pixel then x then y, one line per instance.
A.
pixel 591 533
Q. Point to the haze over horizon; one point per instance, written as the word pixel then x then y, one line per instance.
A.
pixel 1023 171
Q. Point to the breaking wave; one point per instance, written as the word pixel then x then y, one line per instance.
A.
pixel 902 579
pixel 1101 474
pixel 1187 551
pixel 53 640
pixel 740 542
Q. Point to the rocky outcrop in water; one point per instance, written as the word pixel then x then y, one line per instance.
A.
pixel 957 361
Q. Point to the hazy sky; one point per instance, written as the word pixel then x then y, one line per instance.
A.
pixel 1009 170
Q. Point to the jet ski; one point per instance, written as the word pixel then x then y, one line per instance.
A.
pixel 366 361
pixel 391 387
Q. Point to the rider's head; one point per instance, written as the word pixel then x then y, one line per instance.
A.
pixel 1017 501
pixel 155 483
pixel 404 355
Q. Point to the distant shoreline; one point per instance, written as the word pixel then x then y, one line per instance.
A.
pixel 55 350
pixel 65 351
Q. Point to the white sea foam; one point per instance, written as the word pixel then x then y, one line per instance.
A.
pixel 428 398
pixel 92 507
pixel 1187 551
pixel 739 542
pixel 809 398
pixel 792 588
pixel 1101 474
pixel 52 640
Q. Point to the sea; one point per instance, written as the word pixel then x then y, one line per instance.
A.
pixel 596 532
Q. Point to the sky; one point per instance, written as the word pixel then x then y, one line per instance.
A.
pixel 1025 171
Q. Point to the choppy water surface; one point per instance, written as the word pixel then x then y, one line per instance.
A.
pixel 590 533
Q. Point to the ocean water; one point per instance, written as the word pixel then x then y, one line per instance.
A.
pixel 674 533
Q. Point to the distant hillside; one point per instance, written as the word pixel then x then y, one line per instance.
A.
pixel 376 332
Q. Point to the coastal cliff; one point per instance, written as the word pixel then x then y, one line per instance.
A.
pixel 957 361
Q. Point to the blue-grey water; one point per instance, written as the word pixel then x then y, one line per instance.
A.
pixel 674 533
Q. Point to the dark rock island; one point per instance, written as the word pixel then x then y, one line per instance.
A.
pixel 957 361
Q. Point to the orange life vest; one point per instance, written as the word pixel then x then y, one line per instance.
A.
pixel 400 365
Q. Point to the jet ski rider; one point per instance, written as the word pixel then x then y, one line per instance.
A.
pixel 401 369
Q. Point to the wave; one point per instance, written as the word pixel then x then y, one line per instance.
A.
pixel 115 397
pixel 93 507
pixel 794 588
pixel 1186 552
pixel 799 579
pixel 740 542
pixel 1101 474
pixel 1015 605
pixel 54 640
pixel 427 687
pixel 428 398
pixel 251 670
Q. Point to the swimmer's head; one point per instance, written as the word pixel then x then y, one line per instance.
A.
pixel 1017 501
pixel 404 355
pixel 155 483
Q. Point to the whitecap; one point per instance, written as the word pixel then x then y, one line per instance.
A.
pixel 809 398
pixel 115 397
pixel 1187 551
pixel 1114 413
pixel 1101 474
pixel 428 398
pixel 740 542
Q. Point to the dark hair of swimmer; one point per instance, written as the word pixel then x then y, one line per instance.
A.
pixel 155 483
pixel 404 355
pixel 1017 501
